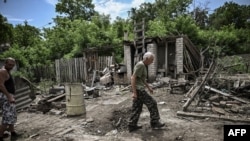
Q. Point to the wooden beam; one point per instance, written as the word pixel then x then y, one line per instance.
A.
pixel 202 115
pixel 55 98
pixel 225 94
pixel 197 89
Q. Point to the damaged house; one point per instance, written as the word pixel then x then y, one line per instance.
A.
pixel 175 57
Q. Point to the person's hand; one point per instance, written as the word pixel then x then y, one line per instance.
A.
pixel 150 90
pixel 11 98
pixel 134 96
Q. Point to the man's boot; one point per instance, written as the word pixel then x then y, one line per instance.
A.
pixel 14 136
pixel 132 128
pixel 156 125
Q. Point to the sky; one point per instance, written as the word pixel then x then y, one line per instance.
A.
pixel 40 13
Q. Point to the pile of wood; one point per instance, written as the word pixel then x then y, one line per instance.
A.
pixel 46 103
pixel 191 56
pixel 213 97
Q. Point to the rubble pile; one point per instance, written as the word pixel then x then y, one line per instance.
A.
pixel 46 103
pixel 218 97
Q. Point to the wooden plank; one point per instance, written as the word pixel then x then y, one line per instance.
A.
pixel 72 70
pixel 197 89
pixel 225 94
pixel 81 69
pixel 61 71
pixel 202 115
pixel 67 75
pixel 109 60
pixel 65 131
pixel 85 66
pixel 138 30
pixel 188 94
pixel 139 23
pixel 55 98
pixel 57 71
pixel 219 110
pixel 99 63
pixel 106 61
pixel 68 71
pixel 75 68
pixel 93 79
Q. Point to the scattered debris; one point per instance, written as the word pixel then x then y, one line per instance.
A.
pixel 34 135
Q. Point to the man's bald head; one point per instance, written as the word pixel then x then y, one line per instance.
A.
pixel 9 63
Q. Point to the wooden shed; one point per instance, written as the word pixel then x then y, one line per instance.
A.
pixel 175 57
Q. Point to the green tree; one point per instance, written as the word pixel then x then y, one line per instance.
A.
pixel 117 30
pixel 120 26
pixel 16 53
pixel 170 9
pixel 76 9
pixel 230 13
pixel 146 11
pixel 101 20
pixel 26 35
pixel 6 31
pixel 182 25
pixel 70 39
pixel 200 17
pixel 28 47
pixel 59 40
pixel 156 28
pixel 227 41
pixel 159 14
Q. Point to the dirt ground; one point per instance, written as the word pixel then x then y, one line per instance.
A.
pixel 106 120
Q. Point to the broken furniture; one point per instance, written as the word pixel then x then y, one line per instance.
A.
pixel 90 92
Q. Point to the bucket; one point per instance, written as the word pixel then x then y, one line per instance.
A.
pixel 75 104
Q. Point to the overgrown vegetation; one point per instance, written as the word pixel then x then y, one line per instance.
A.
pixel 226 30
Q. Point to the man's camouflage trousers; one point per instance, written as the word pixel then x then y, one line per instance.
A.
pixel 144 98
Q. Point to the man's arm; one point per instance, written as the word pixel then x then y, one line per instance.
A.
pixel 133 81
pixel 3 76
pixel 149 88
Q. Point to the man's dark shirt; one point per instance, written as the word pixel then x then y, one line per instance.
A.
pixel 9 85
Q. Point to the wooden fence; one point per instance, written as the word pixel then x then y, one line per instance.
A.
pixel 104 61
pixel 69 70
pixel 42 72
pixel 77 69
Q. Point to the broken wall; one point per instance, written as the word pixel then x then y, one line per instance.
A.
pixel 152 69
pixel 179 55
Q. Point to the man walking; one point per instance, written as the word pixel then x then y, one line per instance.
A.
pixel 140 96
